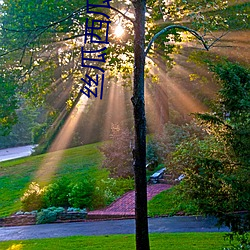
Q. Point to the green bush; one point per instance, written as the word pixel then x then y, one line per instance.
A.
pixel 123 185
pixel 81 194
pixel 48 215
pixel 73 209
pixel 208 180
pixel 109 189
pixel 103 195
pixel 33 198
pixel 242 241
pixel 57 193
pixel 88 193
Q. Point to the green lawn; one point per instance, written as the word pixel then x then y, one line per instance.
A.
pixel 171 241
pixel 16 175
pixel 169 202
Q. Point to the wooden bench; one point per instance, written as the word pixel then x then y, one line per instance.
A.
pixel 182 176
pixel 155 177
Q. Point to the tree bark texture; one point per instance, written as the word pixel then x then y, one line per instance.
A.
pixel 139 151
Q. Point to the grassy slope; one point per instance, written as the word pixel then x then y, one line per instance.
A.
pixel 173 241
pixel 169 203
pixel 16 175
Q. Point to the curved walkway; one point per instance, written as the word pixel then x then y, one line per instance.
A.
pixel 124 207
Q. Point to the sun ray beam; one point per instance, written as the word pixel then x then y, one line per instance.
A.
pixel 50 163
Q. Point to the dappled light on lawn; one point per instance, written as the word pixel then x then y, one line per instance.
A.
pixel 51 161
pixel 15 247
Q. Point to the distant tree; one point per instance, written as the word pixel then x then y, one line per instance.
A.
pixel 118 155
pixel 8 105
pixel 165 142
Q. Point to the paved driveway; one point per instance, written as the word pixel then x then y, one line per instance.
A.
pixel 156 225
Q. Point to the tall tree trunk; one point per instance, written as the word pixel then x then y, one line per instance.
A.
pixel 139 152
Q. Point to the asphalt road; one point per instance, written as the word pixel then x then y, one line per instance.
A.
pixel 14 153
pixel 156 225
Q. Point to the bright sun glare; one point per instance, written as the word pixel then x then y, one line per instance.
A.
pixel 119 31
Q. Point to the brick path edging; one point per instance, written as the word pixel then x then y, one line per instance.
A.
pixel 124 207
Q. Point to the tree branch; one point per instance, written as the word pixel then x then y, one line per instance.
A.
pixel 218 38
pixel 193 32
pixel 41 30
pixel 37 28
pixel 124 15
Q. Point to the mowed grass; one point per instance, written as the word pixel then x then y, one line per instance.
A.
pixel 16 175
pixel 170 241
pixel 169 202
pixel 75 164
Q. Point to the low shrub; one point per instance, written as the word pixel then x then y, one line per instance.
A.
pixel 103 194
pixel 87 193
pixel 109 189
pixel 123 185
pixel 81 194
pixel 242 241
pixel 32 199
pixel 76 210
pixel 57 193
pixel 48 215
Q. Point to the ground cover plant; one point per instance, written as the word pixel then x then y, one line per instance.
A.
pixel 48 215
pixel 170 241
